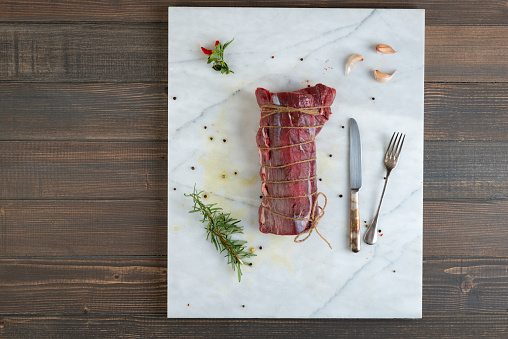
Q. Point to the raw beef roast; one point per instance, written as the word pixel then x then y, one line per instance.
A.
pixel 287 154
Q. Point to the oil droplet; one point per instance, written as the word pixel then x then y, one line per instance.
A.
pixel 283 261
pixel 223 176
pixel 176 228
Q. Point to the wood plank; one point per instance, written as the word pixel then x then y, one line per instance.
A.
pixel 95 286
pixel 466 286
pixel 466 53
pixel 137 111
pixel 465 170
pixel 63 111
pixel 138 53
pixel 83 285
pixel 466 12
pixel 466 111
pixel 83 227
pixel 138 227
pixel 83 52
pixel 83 170
pixel 156 326
pixel 131 170
pixel 458 228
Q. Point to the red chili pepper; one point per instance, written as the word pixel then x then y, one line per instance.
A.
pixel 216 43
pixel 206 51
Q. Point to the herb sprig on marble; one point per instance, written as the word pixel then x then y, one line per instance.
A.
pixel 216 56
pixel 220 228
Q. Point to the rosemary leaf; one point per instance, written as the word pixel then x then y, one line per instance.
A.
pixel 219 228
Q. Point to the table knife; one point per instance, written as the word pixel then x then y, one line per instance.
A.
pixel 355 177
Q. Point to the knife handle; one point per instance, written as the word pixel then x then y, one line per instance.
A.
pixel 355 223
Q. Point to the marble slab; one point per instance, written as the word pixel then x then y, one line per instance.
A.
pixel 213 119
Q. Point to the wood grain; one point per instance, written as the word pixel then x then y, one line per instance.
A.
pixel 80 170
pixel 90 111
pixel 466 12
pixel 138 53
pixel 83 228
pixel 465 170
pixel 83 286
pixel 83 170
pixel 138 227
pixel 132 170
pixel 83 52
pixel 466 111
pixel 156 326
pixel 466 286
pixel 138 111
pixel 465 228
pixel 135 286
pixel 48 228
pixel 466 53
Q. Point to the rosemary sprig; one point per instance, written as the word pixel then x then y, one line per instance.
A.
pixel 220 228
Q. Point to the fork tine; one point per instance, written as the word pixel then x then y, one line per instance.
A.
pixel 396 147
pixel 390 146
pixel 400 148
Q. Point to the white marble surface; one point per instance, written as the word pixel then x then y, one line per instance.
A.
pixel 287 279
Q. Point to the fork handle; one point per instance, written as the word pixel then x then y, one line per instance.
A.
pixel 370 237
pixel 354 224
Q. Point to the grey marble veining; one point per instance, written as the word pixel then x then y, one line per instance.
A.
pixel 287 279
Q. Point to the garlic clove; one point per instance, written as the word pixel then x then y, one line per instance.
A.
pixel 383 77
pixel 385 49
pixel 353 59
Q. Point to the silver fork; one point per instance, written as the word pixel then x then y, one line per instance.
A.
pixel 391 159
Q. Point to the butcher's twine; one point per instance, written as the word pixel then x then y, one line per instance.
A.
pixel 314 218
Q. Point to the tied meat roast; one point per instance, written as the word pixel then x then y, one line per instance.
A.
pixel 287 154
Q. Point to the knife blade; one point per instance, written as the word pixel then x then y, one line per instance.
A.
pixel 355 177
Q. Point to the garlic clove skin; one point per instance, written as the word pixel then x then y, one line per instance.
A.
pixel 385 49
pixel 351 63
pixel 383 77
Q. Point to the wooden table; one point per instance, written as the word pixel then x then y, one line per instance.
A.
pixel 83 159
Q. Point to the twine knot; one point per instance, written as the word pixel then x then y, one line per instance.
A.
pixel 314 219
